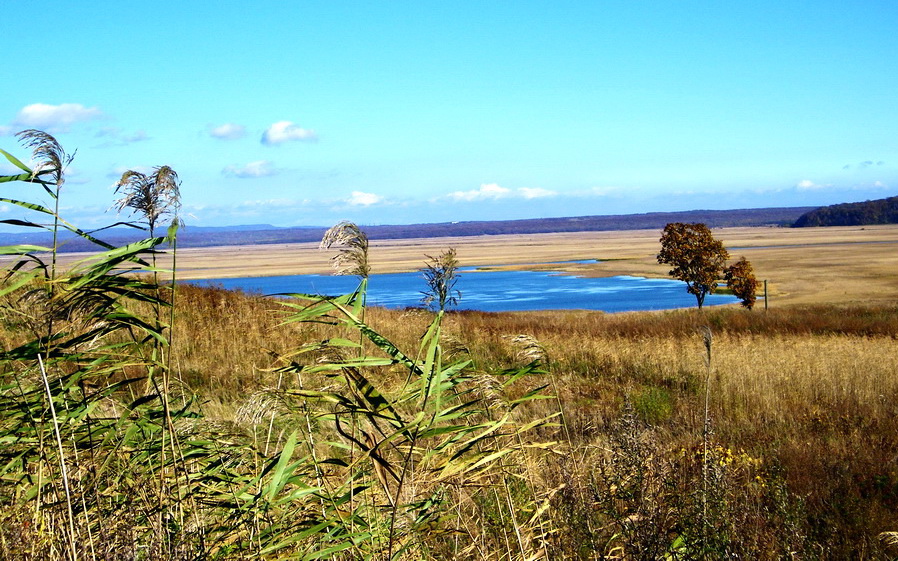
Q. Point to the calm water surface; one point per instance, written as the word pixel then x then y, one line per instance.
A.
pixel 494 291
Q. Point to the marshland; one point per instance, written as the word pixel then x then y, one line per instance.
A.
pixel 145 418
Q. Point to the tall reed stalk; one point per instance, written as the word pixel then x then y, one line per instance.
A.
pixel 707 338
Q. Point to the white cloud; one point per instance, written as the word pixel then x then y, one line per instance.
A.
pixel 228 131
pixel 609 190
pixel 494 191
pixel 54 117
pixel 359 198
pixel 535 192
pixel 260 168
pixel 266 203
pixel 487 191
pixel 286 131
pixel 808 185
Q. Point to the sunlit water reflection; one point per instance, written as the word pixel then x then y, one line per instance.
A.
pixel 494 291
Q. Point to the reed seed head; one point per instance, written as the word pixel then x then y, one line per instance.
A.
pixel 47 153
pixel 528 348
pixel 352 259
pixel 153 195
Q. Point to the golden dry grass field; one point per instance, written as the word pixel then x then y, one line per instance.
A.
pixel 835 265
pixel 783 445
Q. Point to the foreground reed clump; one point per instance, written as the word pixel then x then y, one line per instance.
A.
pixel 802 412
pixel 801 450
pixel 148 421
pixel 362 449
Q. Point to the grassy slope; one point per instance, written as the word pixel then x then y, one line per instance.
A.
pixel 801 397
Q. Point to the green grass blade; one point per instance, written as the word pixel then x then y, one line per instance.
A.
pixel 16 162
pixel 25 224
pixel 279 477
pixel 29 206
pixel 20 280
pixel 20 177
pixel 22 249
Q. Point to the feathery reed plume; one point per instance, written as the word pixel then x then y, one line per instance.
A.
pixel 529 348
pixel 352 259
pixel 51 159
pixel 47 153
pixel 490 390
pixel 455 347
pixel 889 539
pixel 259 406
pixel 153 195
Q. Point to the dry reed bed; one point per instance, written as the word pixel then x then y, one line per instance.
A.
pixel 809 393
pixel 768 368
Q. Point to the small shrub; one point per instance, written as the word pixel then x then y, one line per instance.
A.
pixel 654 405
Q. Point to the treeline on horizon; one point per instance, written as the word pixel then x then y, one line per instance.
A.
pixel 265 234
pixel 879 211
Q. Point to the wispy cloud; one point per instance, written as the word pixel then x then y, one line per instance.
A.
pixel 138 136
pixel 865 164
pixel 273 211
pixel 286 131
pixel 360 198
pixel 494 191
pixel 54 118
pixel 808 185
pixel 116 173
pixel 74 176
pixel 266 203
pixel 535 192
pixel 228 131
pixel 117 137
pixel 260 168
pixel 487 191
pixel 608 191
pixel 7 168
pixel 258 204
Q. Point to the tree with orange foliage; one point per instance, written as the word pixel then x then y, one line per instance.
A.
pixel 697 258
pixel 741 280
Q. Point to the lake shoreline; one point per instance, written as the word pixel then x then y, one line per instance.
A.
pixel 833 265
pixel 492 290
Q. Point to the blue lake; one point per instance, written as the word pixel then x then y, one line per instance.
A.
pixel 494 291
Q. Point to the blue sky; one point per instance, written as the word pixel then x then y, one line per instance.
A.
pixel 306 113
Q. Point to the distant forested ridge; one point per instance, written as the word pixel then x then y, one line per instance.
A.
pixel 880 211
pixel 266 234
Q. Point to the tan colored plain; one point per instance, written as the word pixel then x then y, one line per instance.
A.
pixel 837 265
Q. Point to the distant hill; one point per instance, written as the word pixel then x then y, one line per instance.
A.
pixel 880 211
pixel 265 234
